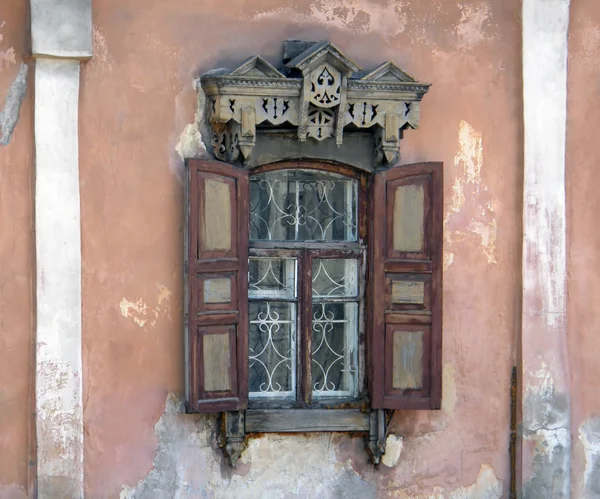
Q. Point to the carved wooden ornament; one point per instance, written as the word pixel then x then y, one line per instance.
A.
pixel 319 93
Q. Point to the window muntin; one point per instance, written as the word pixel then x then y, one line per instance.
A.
pixel 273 327
pixel 303 205
pixel 334 328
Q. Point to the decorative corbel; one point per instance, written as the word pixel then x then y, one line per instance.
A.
pixel 225 141
pixel 235 436
pixel 390 143
pixel 375 441
pixel 247 137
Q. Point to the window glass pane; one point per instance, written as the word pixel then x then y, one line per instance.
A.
pixel 302 205
pixel 334 278
pixel 272 278
pixel 272 348
pixel 334 349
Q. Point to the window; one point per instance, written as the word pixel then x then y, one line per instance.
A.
pixel 311 286
pixel 304 288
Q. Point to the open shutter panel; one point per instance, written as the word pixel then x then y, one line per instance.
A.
pixel 405 339
pixel 217 287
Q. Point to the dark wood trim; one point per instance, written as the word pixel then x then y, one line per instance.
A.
pixel 338 168
pixel 418 317
pixel 242 281
pixel 232 317
pixel 375 336
pixel 416 266
pixel 389 265
pixel 218 318
pixel 306 420
pixel 305 337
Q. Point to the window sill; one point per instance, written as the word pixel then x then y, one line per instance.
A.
pixel 305 420
pixel 239 425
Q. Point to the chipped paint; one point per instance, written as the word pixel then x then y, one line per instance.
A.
pixel 188 464
pixel 449 396
pixel 102 56
pixel 470 193
pixel 356 16
pixel 191 142
pixel 546 427
pixel 9 115
pixel 589 437
pixel 7 56
pixel 393 449
pixel 140 313
pixel 471 29
pixel 489 234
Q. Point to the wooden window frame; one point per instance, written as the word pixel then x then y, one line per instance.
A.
pixel 305 252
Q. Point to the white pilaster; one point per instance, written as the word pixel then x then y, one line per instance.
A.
pixel 546 434
pixel 58 260
pixel 61 33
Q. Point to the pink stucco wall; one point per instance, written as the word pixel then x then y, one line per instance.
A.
pixel 583 206
pixel 17 279
pixel 136 99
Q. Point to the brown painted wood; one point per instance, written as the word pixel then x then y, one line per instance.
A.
pixel 306 420
pixel 204 318
pixel 388 264
pixel 305 340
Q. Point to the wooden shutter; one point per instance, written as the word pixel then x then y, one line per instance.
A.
pixel 405 306
pixel 216 282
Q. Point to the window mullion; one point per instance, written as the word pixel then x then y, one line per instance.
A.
pixel 305 302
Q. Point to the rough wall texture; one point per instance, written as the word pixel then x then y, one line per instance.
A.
pixel 137 99
pixel 583 206
pixel 16 251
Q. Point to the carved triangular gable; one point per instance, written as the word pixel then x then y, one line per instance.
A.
pixel 320 94
pixel 321 53
pixel 257 67
pixel 389 72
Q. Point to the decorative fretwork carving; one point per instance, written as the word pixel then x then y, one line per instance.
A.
pixel 325 87
pixel 320 123
pixel 320 93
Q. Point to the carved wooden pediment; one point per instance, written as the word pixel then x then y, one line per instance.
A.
pixel 319 93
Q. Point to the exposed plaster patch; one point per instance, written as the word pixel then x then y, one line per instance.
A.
pixel 471 29
pixel 191 142
pixel 356 16
pixel 487 486
pixel 7 56
pixel 589 436
pixel 449 396
pixel 101 55
pixel 189 464
pixel 393 449
pixel 470 193
pixel 546 426
pixel 489 234
pixel 9 115
pixel 140 313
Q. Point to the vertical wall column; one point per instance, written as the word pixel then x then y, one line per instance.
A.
pixel 545 456
pixel 61 38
